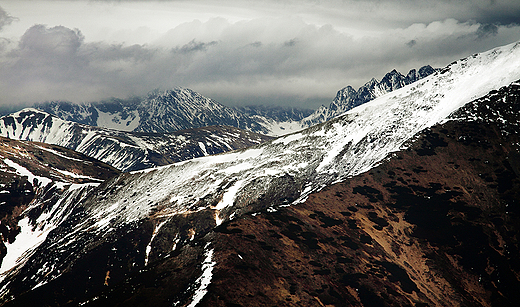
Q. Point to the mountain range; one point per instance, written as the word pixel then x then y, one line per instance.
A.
pixel 181 108
pixel 133 134
pixel 348 98
pixel 169 111
pixel 410 199
pixel 125 150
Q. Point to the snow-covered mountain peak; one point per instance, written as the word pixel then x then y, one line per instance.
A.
pixel 348 98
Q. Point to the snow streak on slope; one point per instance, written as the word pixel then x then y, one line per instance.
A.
pixel 283 171
pixel 33 233
pixel 49 194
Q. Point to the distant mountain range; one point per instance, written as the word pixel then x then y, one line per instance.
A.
pixel 169 111
pixel 348 98
pixel 182 108
pixel 410 199
pixel 126 151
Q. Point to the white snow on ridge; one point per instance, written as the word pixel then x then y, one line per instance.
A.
pixel 344 147
pixel 22 171
pixel 50 129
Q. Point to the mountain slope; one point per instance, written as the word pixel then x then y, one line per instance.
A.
pixel 438 224
pixel 41 181
pixel 126 151
pixel 156 219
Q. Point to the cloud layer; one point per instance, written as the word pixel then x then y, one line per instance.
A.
pixel 286 59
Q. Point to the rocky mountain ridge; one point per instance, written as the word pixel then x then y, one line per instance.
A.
pixel 124 150
pixel 172 110
pixel 348 98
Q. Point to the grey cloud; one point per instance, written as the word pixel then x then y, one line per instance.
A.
pixel 290 43
pixel 5 18
pixel 241 63
pixel 110 52
pixel 193 46
pixel 57 40
pixel 411 43
pixel 486 30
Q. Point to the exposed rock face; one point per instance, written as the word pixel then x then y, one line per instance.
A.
pixel 169 111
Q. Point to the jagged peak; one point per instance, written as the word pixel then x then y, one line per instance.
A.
pixel 347 90
pixel 370 83
pixel 393 72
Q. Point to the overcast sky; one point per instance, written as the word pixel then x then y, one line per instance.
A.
pixel 239 52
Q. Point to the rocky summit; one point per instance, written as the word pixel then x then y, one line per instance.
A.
pixel 348 98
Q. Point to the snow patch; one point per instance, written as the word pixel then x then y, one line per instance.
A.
pixel 205 279
pixel 229 196
pixel 22 171
pixel 25 241
pixel 114 121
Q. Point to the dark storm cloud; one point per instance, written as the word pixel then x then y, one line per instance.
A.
pixel 5 18
pixel 56 63
pixel 499 12
pixel 486 30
